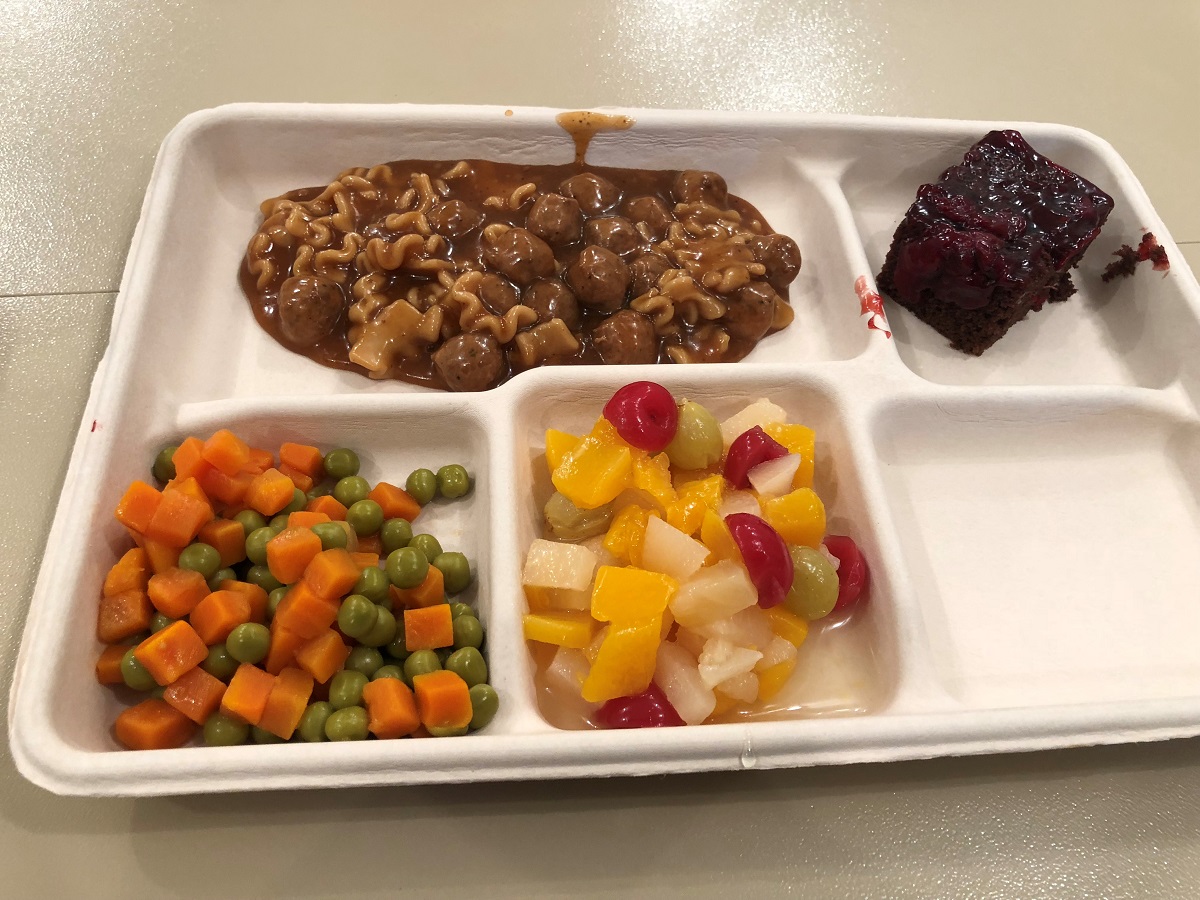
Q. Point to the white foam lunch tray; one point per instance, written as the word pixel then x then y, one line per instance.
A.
pixel 1030 517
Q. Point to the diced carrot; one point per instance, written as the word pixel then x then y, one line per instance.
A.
pixel 260 461
pixel 218 614
pixel 430 592
pixel 189 458
pixel 332 573
pixel 226 451
pixel 270 492
pixel 443 699
pixel 176 592
pixel 153 725
pixel 130 573
pixel 228 489
pixel 323 655
pixel 428 628
pixel 196 694
pixel 391 710
pixel 254 594
pixel 302 458
pixel 370 544
pixel 329 505
pixel 188 486
pixel 137 507
pixel 298 478
pixel 365 560
pixel 162 556
pixel 290 552
pixel 286 702
pixel 247 694
pixel 306 519
pixel 227 537
pixel 178 518
pixel 305 612
pixel 171 652
pixel 108 666
pixel 283 648
pixel 123 615
pixel 396 503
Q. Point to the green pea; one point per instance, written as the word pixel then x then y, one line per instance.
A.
pixel 373 584
pixel 420 662
pixel 347 724
pixel 219 663
pixel 388 671
pixel 249 642
pixel 262 576
pixel 299 501
pixel 484 704
pixel 383 631
pixel 350 490
pixel 322 489
pixel 814 584
pixel 468 664
pixel 365 660
pixel 262 736
pixel 397 649
pixel 158 622
pixel 341 463
pixel 312 724
pixel 453 481
pixel 163 468
pixel 427 544
pixel 279 523
pixel 365 517
pixel 256 544
pixel 456 571
pixel 697 443
pixel 407 567
pixel 346 688
pixel 332 535
pixel 458 610
pixel 468 632
pixel 250 520
pixel 226 574
pixel 200 557
pixel 274 598
pixel 394 534
pixel 446 731
pixel 135 674
pixel 222 731
pixel 356 616
pixel 422 485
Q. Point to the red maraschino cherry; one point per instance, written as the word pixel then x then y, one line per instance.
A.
pixel 649 709
pixel 644 414
pixel 766 557
pixel 852 569
pixel 748 450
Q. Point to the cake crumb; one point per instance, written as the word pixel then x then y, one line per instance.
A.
pixel 1128 258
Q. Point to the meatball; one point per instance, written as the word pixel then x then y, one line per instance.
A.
pixel 692 186
pixel 453 218
pixel 626 338
pixel 652 211
pixel 750 311
pixel 471 361
pixel 614 233
pixel 309 308
pixel 498 294
pixel 551 299
pixel 555 219
pixel 645 271
pixel 599 278
pixel 593 193
pixel 780 255
pixel 521 256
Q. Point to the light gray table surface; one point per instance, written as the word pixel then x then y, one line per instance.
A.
pixel 90 88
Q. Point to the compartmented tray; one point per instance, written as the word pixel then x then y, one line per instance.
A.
pixel 1029 515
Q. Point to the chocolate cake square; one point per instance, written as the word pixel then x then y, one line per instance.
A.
pixel 992 239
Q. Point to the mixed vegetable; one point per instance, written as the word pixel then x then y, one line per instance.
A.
pixel 278 597
pixel 683 560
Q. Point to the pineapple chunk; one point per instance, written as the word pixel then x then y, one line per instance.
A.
pixel 716 592
pixel 678 676
pixel 722 660
pixel 773 478
pixel 670 551
pixel 761 412
pixel 749 628
pixel 553 565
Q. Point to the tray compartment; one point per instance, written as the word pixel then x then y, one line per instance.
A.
pixel 1045 539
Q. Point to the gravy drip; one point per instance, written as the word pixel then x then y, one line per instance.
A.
pixel 583 125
